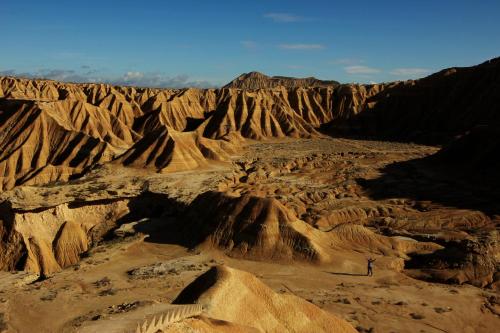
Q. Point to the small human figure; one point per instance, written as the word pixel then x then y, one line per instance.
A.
pixel 370 267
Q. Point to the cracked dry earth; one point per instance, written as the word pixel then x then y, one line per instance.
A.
pixel 447 284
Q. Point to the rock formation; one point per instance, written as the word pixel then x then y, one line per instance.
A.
pixel 433 109
pixel 48 239
pixel 238 297
pixel 262 228
pixel 167 150
pixel 51 131
pixel 256 80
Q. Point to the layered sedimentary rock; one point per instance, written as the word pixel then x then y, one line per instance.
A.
pixel 167 150
pixel 51 131
pixel 37 146
pixel 49 239
pixel 263 228
pixel 45 237
pixel 256 80
pixel 266 114
pixel 469 260
pixel 238 297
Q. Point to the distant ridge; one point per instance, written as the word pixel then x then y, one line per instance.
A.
pixel 257 80
pixel 51 131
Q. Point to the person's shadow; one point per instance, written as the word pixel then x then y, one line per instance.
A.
pixel 347 274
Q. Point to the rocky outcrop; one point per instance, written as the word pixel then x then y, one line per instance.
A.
pixel 167 150
pixel 224 299
pixel 52 131
pixel 238 297
pixel 151 322
pixel 270 114
pixel 256 80
pixel 48 239
pixel 263 228
pixel 252 226
pixel 461 261
pixel 12 247
pixel 36 145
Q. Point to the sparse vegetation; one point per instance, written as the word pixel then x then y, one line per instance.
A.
pixel 104 282
pixel 417 316
pixel 49 296
pixel 107 292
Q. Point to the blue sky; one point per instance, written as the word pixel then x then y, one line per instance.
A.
pixel 203 43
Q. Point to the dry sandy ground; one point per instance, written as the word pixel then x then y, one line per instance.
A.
pixel 120 276
pixel 102 285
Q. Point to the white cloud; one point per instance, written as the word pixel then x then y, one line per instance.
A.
pixel 8 72
pixel 409 72
pixel 249 44
pixel 345 61
pixel 362 70
pixel 52 74
pixel 131 78
pixel 141 79
pixel 302 46
pixel 284 17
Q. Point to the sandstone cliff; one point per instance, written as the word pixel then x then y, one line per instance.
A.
pixel 53 131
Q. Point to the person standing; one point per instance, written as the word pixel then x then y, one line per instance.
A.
pixel 370 267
